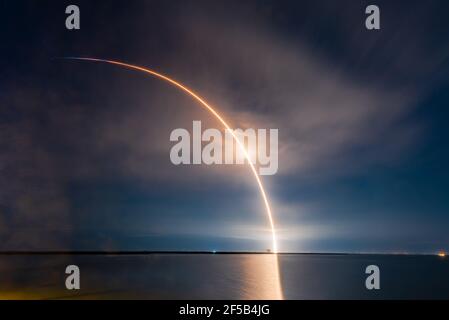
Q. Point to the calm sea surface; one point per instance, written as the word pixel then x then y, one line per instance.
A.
pixel 224 276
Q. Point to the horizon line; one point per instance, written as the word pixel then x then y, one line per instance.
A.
pixel 143 252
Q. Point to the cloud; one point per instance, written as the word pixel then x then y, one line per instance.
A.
pixel 102 122
pixel 324 114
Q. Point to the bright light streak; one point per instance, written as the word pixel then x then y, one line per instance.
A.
pixel 215 113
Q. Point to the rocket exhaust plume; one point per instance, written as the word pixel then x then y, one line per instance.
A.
pixel 215 113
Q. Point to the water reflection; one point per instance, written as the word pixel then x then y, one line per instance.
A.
pixel 223 276
pixel 261 276
pixel 153 276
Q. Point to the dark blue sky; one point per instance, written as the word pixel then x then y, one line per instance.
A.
pixel 361 115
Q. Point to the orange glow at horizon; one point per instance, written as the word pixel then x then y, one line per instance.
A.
pixel 442 254
pixel 215 113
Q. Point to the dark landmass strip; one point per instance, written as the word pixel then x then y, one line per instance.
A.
pixel 143 252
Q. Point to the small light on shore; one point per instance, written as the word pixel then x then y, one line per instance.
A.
pixel 442 254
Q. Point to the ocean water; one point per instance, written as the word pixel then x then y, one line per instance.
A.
pixel 224 276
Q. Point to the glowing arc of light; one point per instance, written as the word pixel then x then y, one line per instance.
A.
pixel 215 113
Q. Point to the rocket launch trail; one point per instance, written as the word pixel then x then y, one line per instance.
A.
pixel 217 116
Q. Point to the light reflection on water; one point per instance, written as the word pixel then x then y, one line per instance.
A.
pixel 261 278
pixel 223 276
pixel 153 276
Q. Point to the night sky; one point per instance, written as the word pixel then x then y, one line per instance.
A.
pixel 362 118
